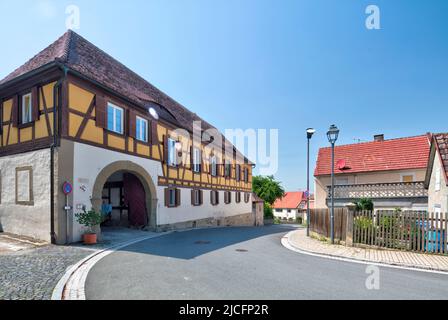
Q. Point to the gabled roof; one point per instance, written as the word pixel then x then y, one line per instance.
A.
pixel 291 200
pixel 83 57
pixel 386 155
pixel 439 147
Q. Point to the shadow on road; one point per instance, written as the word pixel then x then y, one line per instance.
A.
pixel 194 243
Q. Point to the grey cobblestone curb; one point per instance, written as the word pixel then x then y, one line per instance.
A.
pixel 289 245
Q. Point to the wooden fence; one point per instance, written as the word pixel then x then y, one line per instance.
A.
pixel 405 230
pixel 320 222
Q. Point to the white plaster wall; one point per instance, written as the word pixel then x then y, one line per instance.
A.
pixel 437 198
pixel 187 212
pixel 89 161
pixel 32 221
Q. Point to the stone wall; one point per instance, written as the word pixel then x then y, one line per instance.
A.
pixel 29 213
pixel 246 219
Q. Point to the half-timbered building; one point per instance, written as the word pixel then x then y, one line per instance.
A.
pixel 74 114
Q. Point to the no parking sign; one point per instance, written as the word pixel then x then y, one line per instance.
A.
pixel 67 188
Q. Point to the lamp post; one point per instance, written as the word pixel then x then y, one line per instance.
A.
pixel 332 136
pixel 309 134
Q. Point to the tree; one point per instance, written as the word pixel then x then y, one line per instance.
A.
pixel 267 188
pixel 364 204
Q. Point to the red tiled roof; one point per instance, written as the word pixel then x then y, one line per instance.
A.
pixel 291 200
pixel 83 57
pixel 394 154
pixel 80 55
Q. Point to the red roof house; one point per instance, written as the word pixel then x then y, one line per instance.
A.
pixel 292 200
pixel 379 155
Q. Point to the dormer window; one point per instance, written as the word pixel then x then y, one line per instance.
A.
pixel 27 108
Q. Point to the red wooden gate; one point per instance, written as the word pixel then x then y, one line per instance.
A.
pixel 135 199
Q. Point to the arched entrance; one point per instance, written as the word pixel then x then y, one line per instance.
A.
pixel 131 193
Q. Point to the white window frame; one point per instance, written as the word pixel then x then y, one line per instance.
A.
pixel 114 122
pixel 140 124
pixel 25 120
pixel 214 164
pixel 172 156
pixel 196 160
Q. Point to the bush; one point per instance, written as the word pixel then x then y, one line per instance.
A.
pixel 89 219
pixel 364 204
pixel 268 212
pixel 299 220
pixel 363 222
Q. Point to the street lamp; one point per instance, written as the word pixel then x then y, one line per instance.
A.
pixel 309 134
pixel 332 136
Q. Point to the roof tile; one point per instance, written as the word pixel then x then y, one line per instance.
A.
pixel 393 154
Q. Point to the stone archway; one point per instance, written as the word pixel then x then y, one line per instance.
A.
pixel 141 174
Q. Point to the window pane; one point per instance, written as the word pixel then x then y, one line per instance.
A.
pixel 119 119
pixel 110 118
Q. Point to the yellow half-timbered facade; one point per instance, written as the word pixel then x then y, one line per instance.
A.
pixel 74 116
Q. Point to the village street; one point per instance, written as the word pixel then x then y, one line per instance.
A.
pixel 244 263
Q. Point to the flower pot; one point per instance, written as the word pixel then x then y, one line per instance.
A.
pixel 89 238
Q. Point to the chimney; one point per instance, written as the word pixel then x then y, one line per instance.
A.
pixel 378 137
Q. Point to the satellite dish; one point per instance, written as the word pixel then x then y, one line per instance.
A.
pixel 153 113
pixel 341 164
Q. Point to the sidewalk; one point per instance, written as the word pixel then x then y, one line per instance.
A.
pixel 300 241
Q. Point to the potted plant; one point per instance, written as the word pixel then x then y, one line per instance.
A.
pixel 89 219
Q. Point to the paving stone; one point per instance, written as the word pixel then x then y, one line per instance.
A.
pixel 299 240
pixel 33 274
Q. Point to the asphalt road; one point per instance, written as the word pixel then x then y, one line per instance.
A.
pixel 244 263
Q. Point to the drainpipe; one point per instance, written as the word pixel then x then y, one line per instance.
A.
pixel 57 102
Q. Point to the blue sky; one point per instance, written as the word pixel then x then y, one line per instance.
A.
pixel 286 65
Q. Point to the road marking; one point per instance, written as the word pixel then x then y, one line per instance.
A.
pixel 287 244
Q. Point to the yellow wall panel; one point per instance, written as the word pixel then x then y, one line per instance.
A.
pixel 5 134
pixel 73 124
pixel 79 99
pixel 172 173
pixel 188 175
pixel 116 142
pixel 156 153
pixel 48 92
pixel 13 136
pixel 130 144
pixel 41 127
pixel 93 133
pixel 7 105
pixel 142 149
pixel 26 134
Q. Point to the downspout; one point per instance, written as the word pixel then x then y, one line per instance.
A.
pixel 57 102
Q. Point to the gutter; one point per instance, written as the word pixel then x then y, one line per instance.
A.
pixel 57 103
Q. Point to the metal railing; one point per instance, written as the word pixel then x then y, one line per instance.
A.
pixel 379 190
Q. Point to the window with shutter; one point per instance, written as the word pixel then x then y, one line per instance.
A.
pixel 172 197
pixel 196 160
pixel 115 118
pixel 26 109
pixel 141 129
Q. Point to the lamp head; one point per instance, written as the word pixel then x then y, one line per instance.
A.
pixel 310 132
pixel 333 134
